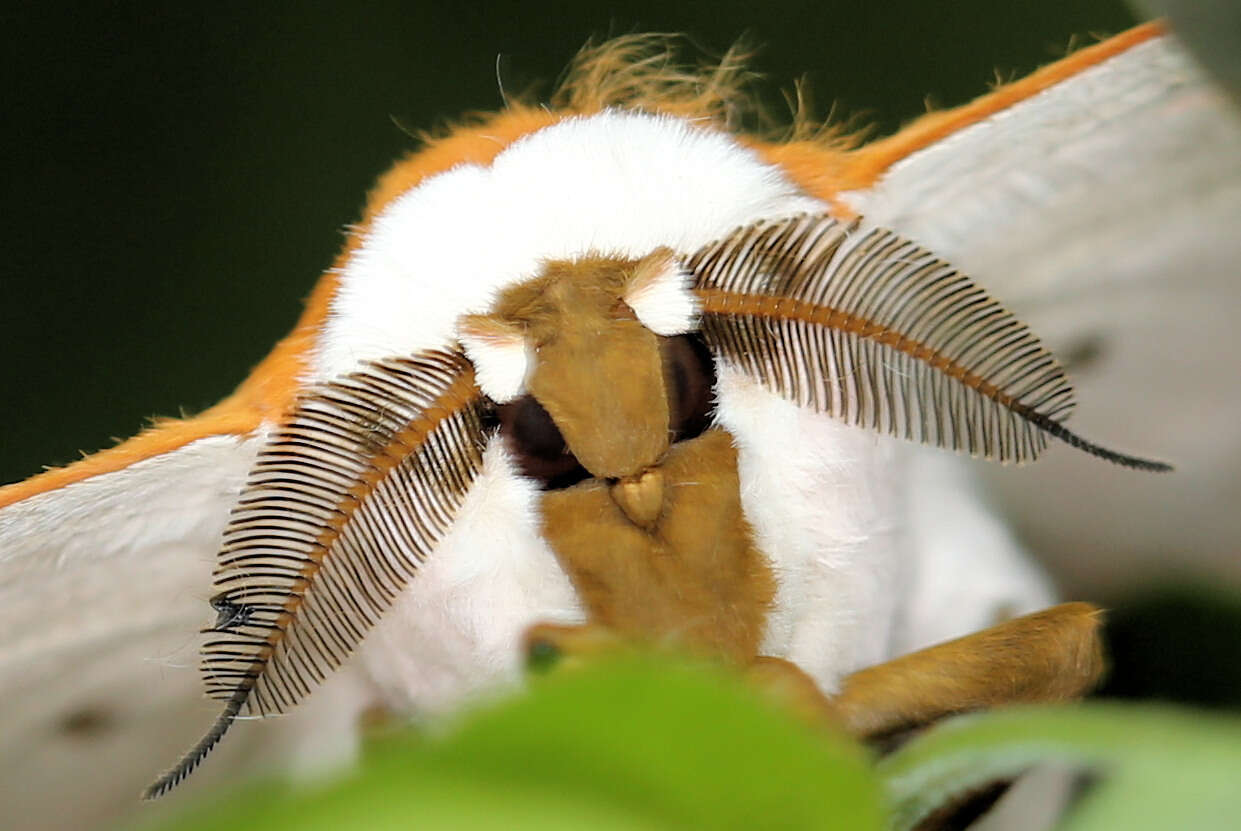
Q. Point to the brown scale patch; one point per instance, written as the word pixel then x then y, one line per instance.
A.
pixel 86 723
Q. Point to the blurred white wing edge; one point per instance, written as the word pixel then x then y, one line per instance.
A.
pixel 104 585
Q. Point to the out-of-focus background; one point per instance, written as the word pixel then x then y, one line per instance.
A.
pixel 175 179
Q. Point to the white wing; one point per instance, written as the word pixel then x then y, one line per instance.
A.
pixel 1106 212
pixel 103 587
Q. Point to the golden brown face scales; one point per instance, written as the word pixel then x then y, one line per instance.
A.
pixel 597 370
pixel 692 577
pixel 656 543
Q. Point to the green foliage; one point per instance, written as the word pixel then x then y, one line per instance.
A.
pixel 1155 768
pixel 645 744
pixel 633 745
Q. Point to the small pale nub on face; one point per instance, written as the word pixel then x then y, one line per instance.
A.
pixel 641 497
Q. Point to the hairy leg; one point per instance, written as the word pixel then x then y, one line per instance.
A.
pixel 1052 655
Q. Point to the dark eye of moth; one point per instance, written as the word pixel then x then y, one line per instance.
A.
pixel 540 450
pixel 689 374
pixel 536 444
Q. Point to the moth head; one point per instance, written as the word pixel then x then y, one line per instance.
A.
pixel 580 362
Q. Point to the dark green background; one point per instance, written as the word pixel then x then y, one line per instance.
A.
pixel 175 179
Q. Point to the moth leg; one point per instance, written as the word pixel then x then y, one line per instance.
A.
pixel 1052 655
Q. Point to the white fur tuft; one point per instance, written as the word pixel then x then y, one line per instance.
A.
pixel 501 360
pixel 664 301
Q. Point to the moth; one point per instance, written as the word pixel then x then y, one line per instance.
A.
pixel 604 369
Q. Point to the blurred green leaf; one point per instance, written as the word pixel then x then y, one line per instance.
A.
pixel 637 744
pixel 1158 768
pixel 647 744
